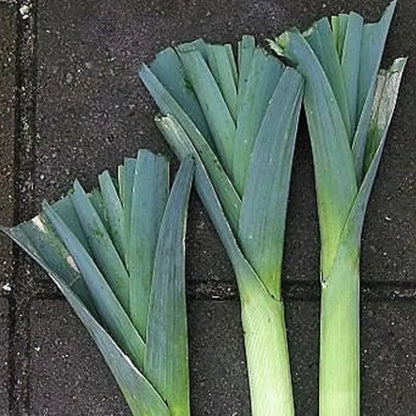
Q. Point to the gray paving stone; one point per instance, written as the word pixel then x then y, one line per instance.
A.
pixel 302 319
pixel 388 351
pixel 93 111
pixel 7 103
pixel 389 359
pixel 4 357
pixel 68 376
pixel 218 375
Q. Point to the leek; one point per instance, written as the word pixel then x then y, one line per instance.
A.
pixel 239 121
pixel 117 255
pixel 349 104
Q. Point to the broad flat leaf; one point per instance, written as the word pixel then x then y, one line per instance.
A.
pixel 214 107
pixel 321 40
pixel 126 192
pixel 106 256
pixel 388 85
pixel 167 351
pixel 259 86
pixel 150 193
pixel 222 66
pixel 114 210
pixel 246 48
pixel 350 63
pixel 261 231
pixel 181 144
pixel 97 201
pixel 37 238
pixel 109 308
pixel 373 41
pixel 65 209
pixel 339 29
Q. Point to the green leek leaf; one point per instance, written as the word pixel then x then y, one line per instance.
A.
pixel 114 211
pixel 180 87
pixel 217 114
pixel 104 251
pixel 109 308
pixel 350 58
pixel 254 99
pixel 168 105
pixel 149 196
pixel 261 231
pixel 74 240
pixel 167 351
pixel 222 65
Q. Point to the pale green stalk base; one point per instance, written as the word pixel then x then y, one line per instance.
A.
pixel 339 384
pixel 267 352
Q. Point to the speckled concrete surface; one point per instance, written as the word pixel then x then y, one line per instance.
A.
pixel 4 357
pixel 81 109
pixel 7 130
pixel 7 106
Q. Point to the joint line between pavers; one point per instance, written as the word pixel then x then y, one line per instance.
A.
pixel 24 164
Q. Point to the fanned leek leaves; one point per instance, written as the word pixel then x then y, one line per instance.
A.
pixel 239 121
pixel 117 254
pixel 349 105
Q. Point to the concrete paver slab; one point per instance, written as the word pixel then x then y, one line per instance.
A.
pixel 68 376
pixel 7 129
pixel 4 357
